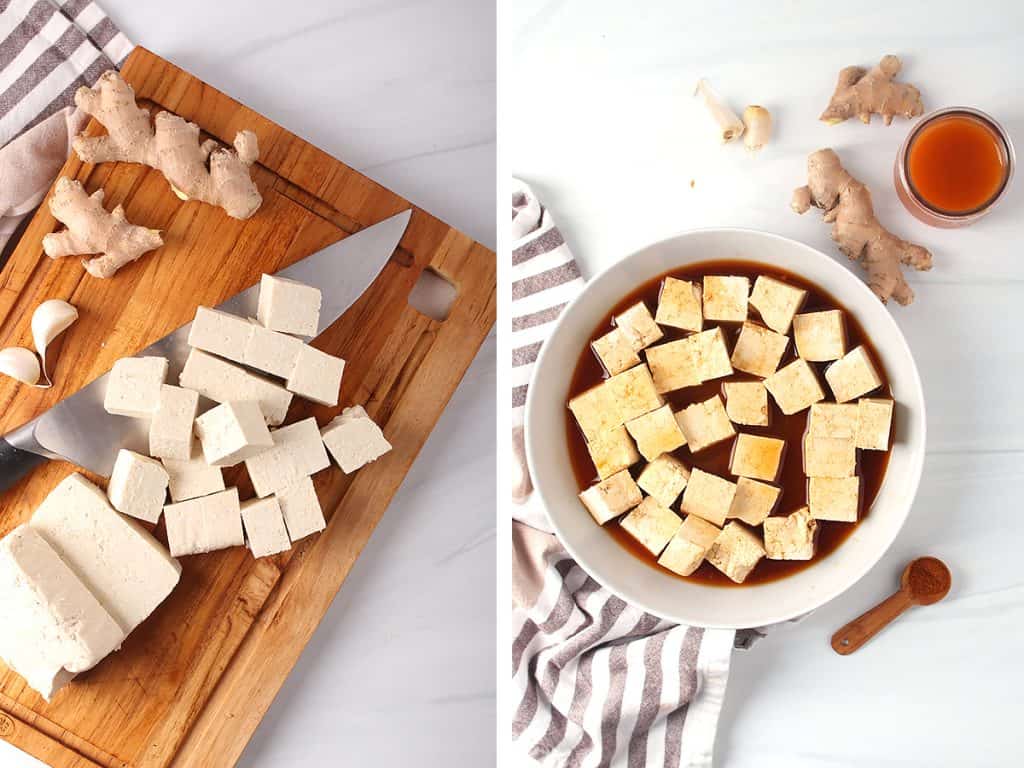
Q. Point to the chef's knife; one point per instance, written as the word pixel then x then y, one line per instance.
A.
pixel 77 429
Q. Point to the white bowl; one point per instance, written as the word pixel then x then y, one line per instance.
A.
pixel 638 582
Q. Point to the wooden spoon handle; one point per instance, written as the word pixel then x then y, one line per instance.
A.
pixel 852 636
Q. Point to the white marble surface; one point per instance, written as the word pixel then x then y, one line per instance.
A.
pixel 602 124
pixel 401 671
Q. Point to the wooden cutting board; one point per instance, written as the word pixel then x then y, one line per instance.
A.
pixel 192 683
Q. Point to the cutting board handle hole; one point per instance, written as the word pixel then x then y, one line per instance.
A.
pixel 433 295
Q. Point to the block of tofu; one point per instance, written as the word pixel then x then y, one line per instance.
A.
pixel 615 351
pixel 758 350
pixel 675 364
pixel 232 432
pixel 656 432
pixel 735 552
pixel 170 430
pixel 776 302
pixel 128 570
pixel 316 375
pixel 746 402
pixel 725 298
pixel 664 479
pixel 204 524
pixel 834 498
pixel 192 478
pixel 708 496
pixel 874 421
pixel 714 355
pixel 133 386
pixel 829 456
pixel 753 501
pixel 272 352
pixel 298 451
pixel 833 420
pixel 795 387
pixel 756 456
pixel 54 627
pixel 820 336
pixel 354 440
pixel 611 452
pixel 224 382
pixel 265 531
pixel 634 393
pixel 138 486
pixel 288 306
pixel 652 525
pixel 853 375
pixel 791 537
pixel 679 305
pixel 220 333
pixel 610 498
pixel 638 325
pixel 704 424
pixel 301 509
pixel 595 411
pixel 685 552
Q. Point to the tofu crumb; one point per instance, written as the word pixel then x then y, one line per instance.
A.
pixel 791 537
pixel 638 325
pixel 820 336
pixel 746 403
pixel 829 456
pixel 652 525
pixel 656 432
pixel 708 496
pixel 735 552
pixel 611 452
pixel 833 420
pixel 834 498
pixel 615 352
pixel 685 552
pixel 874 421
pixel 725 298
pixel 705 424
pixel 776 302
pixel 679 305
pixel 753 501
pixel 610 498
pixel 675 364
pixel 758 350
pixel 664 479
pixel 757 457
pixel 853 375
pixel 795 387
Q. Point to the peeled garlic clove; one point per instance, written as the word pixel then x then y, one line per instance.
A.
pixel 19 363
pixel 727 123
pixel 758 123
pixel 49 321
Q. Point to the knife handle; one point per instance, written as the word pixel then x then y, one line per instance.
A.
pixel 15 463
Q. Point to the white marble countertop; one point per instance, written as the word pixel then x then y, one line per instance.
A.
pixel 602 125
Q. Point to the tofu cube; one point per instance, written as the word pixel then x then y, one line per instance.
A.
pixel 638 325
pixel 874 421
pixel 676 364
pixel 595 411
pixel 685 552
pixel 220 333
pixel 656 432
pixel 820 336
pixel 272 352
pixel 757 457
pixel 704 424
pixel 205 524
pixel 679 305
pixel 829 456
pixel 652 525
pixel 288 306
pixel 133 386
pixel 232 432
pixel 776 302
pixel 610 498
pixel 853 375
pixel 725 298
pixel 714 355
pixel 316 376
pixel 795 387
pixel 611 452
pixel 833 420
pixel 746 402
pixel 138 486
pixel 301 509
pixel 298 451
pixel 224 382
pixel 615 352
pixel 192 478
pixel 791 537
pixel 834 498
pixel 758 350
pixel 753 501
pixel 664 479
pixel 170 431
pixel 264 527
pixel 354 440
pixel 735 552
pixel 634 393
pixel 708 496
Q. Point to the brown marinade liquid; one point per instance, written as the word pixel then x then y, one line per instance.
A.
pixel 871 465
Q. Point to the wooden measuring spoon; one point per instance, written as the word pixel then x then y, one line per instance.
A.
pixel 925 580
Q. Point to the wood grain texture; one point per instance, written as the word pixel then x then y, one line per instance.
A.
pixel 195 679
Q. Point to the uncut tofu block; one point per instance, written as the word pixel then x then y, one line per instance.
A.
pixel 354 440
pixel 714 355
pixel 725 298
pixel 192 478
pixel 264 527
pixel 316 376
pixel 609 498
pixel 757 457
pixel 615 351
pixel 224 382
pixel 758 350
pixel 874 421
pixel 708 496
pixel 704 424
pixel 298 451
pixel 652 525
pixel 829 456
pixel 170 431
pixel 834 498
pixel 611 452
pixel 288 306
pixel 833 420
pixel 232 432
pixel 685 552
pixel 853 375
pixel 820 336
pixel 656 432
pixel 753 501
pixel 664 479
pixel 675 364
pixel 595 411
pixel 776 302
pixel 795 387
pixel 735 552
pixel 633 393
pixel 679 305
pixel 791 537
pixel 138 486
pixel 205 524
pixel 638 326
pixel 133 386
pixel 301 509
pixel 746 402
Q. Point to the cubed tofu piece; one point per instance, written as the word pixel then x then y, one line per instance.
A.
pixel 638 325
pixel 316 376
pixel 829 456
pixel 776 302
pixel 288 306
pixel 853 376
pixel 265 531
pixel 675 364
pixel 874 421
pixel 679 305
pixel 133 386
pixel 611 452
pixel 656 432
pixel 753 501
pixel 205 524
pixel 192 478
pixel 232 432
pixel 298 451
pixel 791 537
pixel 272 352
pixel 354 439
pixel 833 420
pixel 757 457
pixel 735 552
pixel 170 431
pixel 664 479
pixel 615 351
pixel 138 486
pixel 795 387
pixel 652 525
pixel 595 411
pixel 224 382
pixel 685 552
pixel 714 355
pixel 746 402
pixel 758 350
pixel 610 498
pixel 725 298
pixel 300 506
pixel 708 496
pixel 634 393
pixel 704 424
pixel 820 336
pixel 220 333
pixel 834 498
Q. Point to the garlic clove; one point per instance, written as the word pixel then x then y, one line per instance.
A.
pixel 19 363
pixel 758 123
pixel 49 321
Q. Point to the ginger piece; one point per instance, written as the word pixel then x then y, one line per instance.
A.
pixel 204 171
pixel 726 122
pixel 847 206
pixel 862 93
pixel 90 229
pixel 757 122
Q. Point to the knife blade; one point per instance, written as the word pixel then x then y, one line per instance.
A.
pixel 79 430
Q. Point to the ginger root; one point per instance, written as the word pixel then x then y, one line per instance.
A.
pixel 727 124
pixel 203 171
pixel 90 229
pixel 862 93
pixel 847 206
